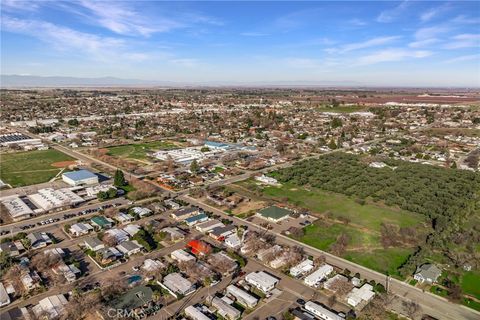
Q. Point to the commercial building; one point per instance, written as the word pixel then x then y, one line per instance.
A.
pixel 321 312
pixel 17 209
pixel 262 280
pixel 302 268
pixel 314 279
pixel 274 213
pixel 49 199
pixel 242 296
pixel 80 178
pixel 360 295
pixel 176 284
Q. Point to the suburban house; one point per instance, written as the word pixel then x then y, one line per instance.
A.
pixel 134 299
pixel 182 214
pixel 302 268
pixel 199 247
pixel 193 220
pixel 322 312
pixel 129 248
pixel 242 296
pixel 360 295
pixel 209 225
pixel 174 233
pixel 80 229
pixel 100 222
pixel 233 241
pixel 314 279
pixel 39 240
pixel 53 306
pixel 224 309
pixel 93 244
pixel 123 218
pixel 220 233
pixel 118 234
pixel 13 249
pixel 428 273
pixel 4 298
pixel 176 284
pixel 262 280
pixel 141 211
pixel 182 256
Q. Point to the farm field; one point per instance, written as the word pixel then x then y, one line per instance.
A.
pixel 363 228
pixel 138 151
pixel 32 167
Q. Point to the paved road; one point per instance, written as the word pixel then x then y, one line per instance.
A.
pixel 434 305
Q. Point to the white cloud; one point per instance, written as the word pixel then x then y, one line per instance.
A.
pixel 185 62
pixel 392 54
pixel 254 34
pixel 357 22
pixel 63 38
pixel 431 32
pixel 466 40
pixel 363 45
pixel 433 12
pixel 464 58
pixel 392 14
pixel 15 5
pixel 423 43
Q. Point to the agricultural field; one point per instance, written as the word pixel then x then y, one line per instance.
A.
pixel 341 215
pixel 32 167
pixel 139 151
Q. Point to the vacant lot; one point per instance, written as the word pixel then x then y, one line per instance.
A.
pixel 363 226
pixel 138 151
pixel 32 167
pixel 471 283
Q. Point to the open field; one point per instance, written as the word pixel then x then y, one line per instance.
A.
pixel 343 109
pixel 363 228
pixel 470 283
pixel 138 151
pixel 32 167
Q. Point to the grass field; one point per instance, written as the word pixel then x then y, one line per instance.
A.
pixel 363 230
pixel 138 151
pixel 32 167
pixel 470 283
pixel 342 109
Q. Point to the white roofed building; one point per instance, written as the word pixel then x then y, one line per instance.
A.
pixel 262 280
pixel 314 279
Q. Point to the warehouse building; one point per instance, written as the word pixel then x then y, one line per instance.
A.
pixel 18 209
pixel 274 213
pixel 80 178
pixel 49 199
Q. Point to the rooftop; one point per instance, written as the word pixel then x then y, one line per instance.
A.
pixel 79 175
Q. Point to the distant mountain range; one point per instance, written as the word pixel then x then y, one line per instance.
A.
pixel 27 81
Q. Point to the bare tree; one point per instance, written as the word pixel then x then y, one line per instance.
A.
pixel 341 287
pixel 411 308
pixel 109 240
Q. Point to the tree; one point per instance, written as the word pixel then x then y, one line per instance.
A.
pixel 119 179
pixel 332 145
pixel 109 240
pixel 411 308
pixel 341 287
pixel 194 167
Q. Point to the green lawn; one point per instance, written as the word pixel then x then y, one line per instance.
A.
pixel 370 216
pixel 31 167
pixel 470 283
pixel 471 304
pixel 342 109
pixel 381 260
pixel 139 150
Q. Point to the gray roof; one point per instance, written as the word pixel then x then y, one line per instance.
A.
pixel 429 271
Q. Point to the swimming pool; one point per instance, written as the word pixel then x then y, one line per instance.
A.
pixel 133 279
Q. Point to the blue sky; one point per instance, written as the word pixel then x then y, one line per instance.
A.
pixel 409 43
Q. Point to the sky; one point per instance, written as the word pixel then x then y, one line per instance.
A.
pixel 379 43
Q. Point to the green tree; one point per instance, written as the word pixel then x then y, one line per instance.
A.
pixel 119 179
pixel 194 167
pixel 332 145
pixel 73 122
